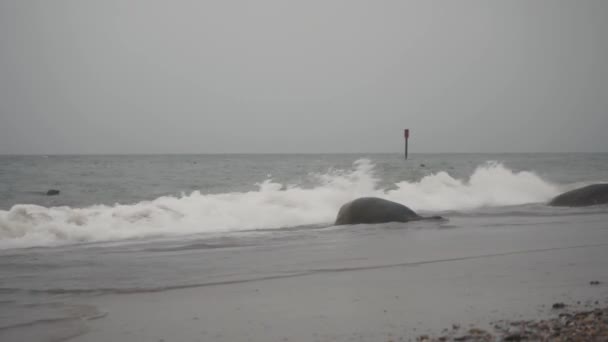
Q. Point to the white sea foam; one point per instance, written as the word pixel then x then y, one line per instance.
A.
pixel 272 206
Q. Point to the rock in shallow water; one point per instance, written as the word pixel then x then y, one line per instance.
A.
pixel 372 210
pixel 582 197
pixel 52 192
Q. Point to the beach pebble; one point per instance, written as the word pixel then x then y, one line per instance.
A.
pixel 514 337
pixel 558 305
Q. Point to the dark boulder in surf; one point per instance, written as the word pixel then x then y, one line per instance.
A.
pixel 582 197
pixel 52 192
pixel 372 210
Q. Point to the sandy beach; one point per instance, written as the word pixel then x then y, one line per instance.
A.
pixel 387 284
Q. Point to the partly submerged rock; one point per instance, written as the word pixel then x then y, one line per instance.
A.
pixel 53 192
pixel 372 210
pixel 582 197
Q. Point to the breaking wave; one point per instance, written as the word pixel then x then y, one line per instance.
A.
pixel 272 206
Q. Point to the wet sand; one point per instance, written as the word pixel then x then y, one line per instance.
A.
pixel 462 279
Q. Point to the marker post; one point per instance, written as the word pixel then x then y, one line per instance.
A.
pixel 406 135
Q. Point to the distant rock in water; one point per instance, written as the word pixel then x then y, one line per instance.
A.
pixel 52 192
pixel 582 197
pixel 372 210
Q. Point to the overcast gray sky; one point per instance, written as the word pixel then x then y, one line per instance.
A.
pixel 116 76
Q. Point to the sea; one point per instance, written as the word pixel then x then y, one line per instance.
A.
pixel 153 223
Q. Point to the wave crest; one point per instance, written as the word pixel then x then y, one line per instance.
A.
pixel 272 206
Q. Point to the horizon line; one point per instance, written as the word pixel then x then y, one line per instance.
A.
pixel 271 153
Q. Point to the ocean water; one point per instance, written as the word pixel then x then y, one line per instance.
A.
pixel 124 224
pixel 109 198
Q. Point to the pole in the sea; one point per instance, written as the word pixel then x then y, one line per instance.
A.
pixel 406 135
